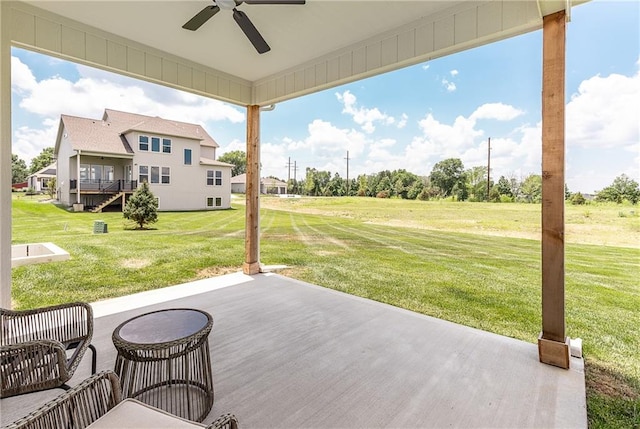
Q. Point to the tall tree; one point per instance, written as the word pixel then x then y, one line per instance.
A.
pixel 622 188
pixel 44 159
pixel 448 174
pixel 19 171
pixel 142 206
pixel 504 187
pixel 531 189
pixel 238 158
pixel 477 183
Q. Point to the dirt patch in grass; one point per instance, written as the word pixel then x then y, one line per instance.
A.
pixel 609 383
pixel 205 273
pixel 135 263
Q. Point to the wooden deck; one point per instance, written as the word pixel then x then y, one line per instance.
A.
pixel 290 354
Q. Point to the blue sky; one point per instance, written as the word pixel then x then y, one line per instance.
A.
pixel 411 118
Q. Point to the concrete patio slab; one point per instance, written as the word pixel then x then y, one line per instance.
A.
pixel 289 354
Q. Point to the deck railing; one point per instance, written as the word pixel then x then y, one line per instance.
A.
pixel 104 186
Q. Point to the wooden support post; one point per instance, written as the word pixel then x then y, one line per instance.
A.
pixel 553 346
pixel 252 219
pixel 5 155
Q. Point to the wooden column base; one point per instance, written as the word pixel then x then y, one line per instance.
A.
pixel 251 268
pixel 554 352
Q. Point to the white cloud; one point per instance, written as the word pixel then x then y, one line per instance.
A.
pixel 454 72
pixel 48 98
pixel 29 142
pixel 235 144
pixel 22 80
pixel 498 111
pixel 605 112
pixel 426 66
pixel 363 116
pixel 449 86
pixel 403 121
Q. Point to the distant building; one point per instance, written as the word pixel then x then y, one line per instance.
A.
pixel 39 181
pixel 268 185
pixel 101 162
pixel 22 186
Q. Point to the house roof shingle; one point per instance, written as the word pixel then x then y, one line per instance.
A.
pixel 155 124
pixel 107 135
pixel 94 135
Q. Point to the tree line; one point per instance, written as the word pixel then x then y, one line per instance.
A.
pixel 450 180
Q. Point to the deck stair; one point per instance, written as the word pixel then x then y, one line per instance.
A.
pixel 98 208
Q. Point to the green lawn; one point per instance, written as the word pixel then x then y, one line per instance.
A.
pixel 478 272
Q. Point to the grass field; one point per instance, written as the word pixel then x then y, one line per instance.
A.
pixel 474 264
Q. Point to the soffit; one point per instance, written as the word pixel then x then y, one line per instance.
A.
pixel 318 45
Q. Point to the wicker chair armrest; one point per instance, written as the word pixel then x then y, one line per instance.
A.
pixel 48 322
pixel 78 407
pixel 32 366
pixel 225 421
pixel 70 323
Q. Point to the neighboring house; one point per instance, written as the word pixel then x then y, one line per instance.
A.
pixel 39 180
pixel 268 185
pixel 101 162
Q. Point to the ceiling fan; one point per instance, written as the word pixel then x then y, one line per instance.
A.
pixel 240 17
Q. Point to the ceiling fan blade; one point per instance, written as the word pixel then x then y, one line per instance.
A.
pixel 250 31
pixel 274 1
pixel 201 17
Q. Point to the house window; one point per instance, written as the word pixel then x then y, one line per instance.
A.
pixel 165 176
pixel 84 171
pixel 155 174
pixel 144 173
pixel 187 157
pixel 214 177
pixel 143 143
pixel 166 146
pixel 155 144
pixel 96 172
pixel 211 202
pixel 108 172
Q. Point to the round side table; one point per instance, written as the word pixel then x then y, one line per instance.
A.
pixel 163 360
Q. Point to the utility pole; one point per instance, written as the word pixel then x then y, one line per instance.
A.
pixel 295 170
pixel 347 158
pixel 488 167
pixel 289 170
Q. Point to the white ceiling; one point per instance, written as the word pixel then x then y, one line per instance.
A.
pixel 314 46
pixel 296 33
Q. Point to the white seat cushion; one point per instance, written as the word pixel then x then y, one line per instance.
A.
pixel 131 413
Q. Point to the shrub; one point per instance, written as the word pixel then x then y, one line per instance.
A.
pixel 142 206
pixel 506 199
pixel 577 199
pixel 383 194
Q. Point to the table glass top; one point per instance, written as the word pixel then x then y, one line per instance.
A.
pixel 163 326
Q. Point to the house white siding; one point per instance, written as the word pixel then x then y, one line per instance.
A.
pixel 187 188
pixel 123 149
pixel 65 157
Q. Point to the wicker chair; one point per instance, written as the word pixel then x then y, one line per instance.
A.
pixel 41 348
pixel 97 403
